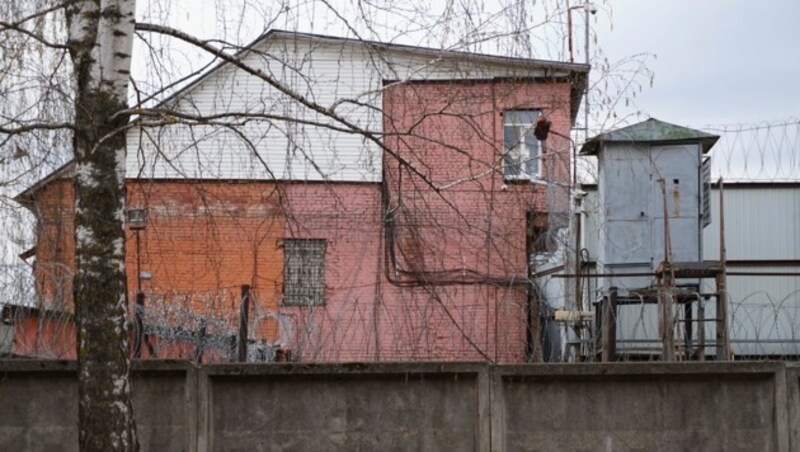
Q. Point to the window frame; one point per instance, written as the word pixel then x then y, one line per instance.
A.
pixel 524 132
pixel 295 297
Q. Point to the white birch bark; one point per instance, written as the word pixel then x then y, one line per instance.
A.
pixel 100 41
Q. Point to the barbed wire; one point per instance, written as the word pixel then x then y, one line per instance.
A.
pixel 767 151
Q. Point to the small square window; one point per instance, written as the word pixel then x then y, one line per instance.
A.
pixel 520 146
pixel 304 272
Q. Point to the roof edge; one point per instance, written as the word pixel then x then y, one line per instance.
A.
pixel 637 133
pixel 578 70
pixel 25 197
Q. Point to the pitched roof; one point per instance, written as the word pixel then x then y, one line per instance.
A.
pixel 650 131
pixel 577 73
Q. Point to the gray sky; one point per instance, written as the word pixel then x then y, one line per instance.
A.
pixel 718 61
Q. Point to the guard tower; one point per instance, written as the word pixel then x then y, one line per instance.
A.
pixel 654 193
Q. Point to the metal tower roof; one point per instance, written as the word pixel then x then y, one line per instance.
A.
pixel 650 131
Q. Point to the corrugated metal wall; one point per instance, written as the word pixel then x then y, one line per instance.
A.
pixel 762 223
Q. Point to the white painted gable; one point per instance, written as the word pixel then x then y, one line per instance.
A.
pixel 289 141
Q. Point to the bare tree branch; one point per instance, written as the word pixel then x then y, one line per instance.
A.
pixel 235 61
pixel 7 27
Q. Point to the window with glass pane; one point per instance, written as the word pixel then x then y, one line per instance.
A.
pixel 521 148
pixel 303 272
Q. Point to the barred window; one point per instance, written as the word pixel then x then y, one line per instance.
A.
pixel 304 272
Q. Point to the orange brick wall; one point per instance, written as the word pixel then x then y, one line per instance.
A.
pixel 50 336
pixel 202 242
pixel 55 245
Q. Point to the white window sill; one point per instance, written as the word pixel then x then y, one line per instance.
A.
pixel 531 179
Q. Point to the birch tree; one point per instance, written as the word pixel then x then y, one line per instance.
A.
pixel 63 83
pixel 100 37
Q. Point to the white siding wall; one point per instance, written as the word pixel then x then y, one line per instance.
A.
pixel 323 71
pixel 269 148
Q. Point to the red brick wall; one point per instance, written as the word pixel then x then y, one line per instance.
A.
pixel 372 312
pixel 452 290
pixel 348 217
pixel 453 135
pixel 441 279
pixel 473 229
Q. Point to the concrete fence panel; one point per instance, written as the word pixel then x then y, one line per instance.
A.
pixel 340 407
pixel 642 407
pixel 39 405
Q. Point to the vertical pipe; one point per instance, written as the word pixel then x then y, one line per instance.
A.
pixel 139 322
pixel 668 340
pixel 701 329
pixel 723 340
pixel 243 320
pixel 577 219
pixel 569 32
pixel 138 263
pixel 597 335
pixel 666 288
pixel 578 293
pixel 687 329
pixel 609 326
pixel 586 51
pixel 496 126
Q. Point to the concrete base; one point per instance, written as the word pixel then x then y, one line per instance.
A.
pixel 432 406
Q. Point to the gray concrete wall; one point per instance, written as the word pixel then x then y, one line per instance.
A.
pixel 643 407
pixel 451 406
pixel 411 407
pixel 39 405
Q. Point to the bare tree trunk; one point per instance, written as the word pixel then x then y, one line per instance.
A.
pixel 100 40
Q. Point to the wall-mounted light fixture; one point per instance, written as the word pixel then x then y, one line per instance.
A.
pixel 137 218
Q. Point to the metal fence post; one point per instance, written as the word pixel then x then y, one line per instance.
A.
pixel 244 312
